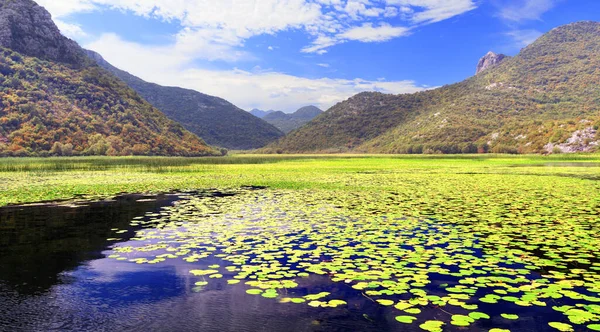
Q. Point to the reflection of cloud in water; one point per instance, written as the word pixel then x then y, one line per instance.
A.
pixel 155 298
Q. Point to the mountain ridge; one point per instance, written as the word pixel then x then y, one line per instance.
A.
pixel 55 101
pixel 260 113
pixel 489 60
pixel 289 122
pixel 531 103
pixel 35 34
pixel 214 119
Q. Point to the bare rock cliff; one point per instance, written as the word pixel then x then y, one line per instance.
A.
pixel 490 60
pixel 27 28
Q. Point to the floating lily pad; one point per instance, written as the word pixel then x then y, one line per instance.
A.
pixel 432 325
pixel 406 319
pixel 385 302
pixel 561 326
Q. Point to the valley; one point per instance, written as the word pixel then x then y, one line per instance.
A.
pixel 402 185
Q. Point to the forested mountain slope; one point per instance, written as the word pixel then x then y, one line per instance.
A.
pixel 216 120
pixel 288 122
pixel 55 101
pixel 545 99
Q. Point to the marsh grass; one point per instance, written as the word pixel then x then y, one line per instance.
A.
pixel 176 164
pixel 39 179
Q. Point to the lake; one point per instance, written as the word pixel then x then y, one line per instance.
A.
pixel 274 260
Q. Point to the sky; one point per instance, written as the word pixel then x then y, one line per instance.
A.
pixel 285 54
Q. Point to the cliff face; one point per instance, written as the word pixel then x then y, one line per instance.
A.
pixel 490 60
pixel 27 28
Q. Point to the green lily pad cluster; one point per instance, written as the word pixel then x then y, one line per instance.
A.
pixel 390 250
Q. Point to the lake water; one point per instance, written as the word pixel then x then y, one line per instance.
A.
pixel 55 276
pixel 127 265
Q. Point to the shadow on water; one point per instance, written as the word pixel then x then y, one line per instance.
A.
pixel 39 242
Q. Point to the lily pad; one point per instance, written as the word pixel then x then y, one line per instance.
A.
pixel 406 319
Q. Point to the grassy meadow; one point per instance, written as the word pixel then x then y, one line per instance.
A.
pixel 27 180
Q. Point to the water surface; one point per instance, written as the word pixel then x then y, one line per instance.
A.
pixel 136 263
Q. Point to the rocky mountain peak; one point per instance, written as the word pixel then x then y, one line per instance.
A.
pixel 490 60
pixel 27 28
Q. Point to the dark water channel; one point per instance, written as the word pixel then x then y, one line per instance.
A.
pixel 55 276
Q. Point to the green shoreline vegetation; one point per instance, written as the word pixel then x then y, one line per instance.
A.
pixel 28 180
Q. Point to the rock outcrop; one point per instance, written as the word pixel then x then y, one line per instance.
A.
pixel 490 60
pixel 27 28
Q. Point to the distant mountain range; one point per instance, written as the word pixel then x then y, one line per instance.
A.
pixel 56 101
pixel 546 99
pixel 215 120
pixel 260 113
pixel 289 122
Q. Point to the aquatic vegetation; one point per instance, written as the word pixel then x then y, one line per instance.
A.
pixel 470 258
pixel 474 243
pixel 28 180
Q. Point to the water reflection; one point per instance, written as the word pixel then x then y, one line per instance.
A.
pixel 38 243
pixel 54 276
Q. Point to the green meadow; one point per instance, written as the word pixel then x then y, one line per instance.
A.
pixel 26 180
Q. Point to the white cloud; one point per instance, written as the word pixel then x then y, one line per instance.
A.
pixel 245 17
pixel 368 33
pixel 414 11
pixel 359 8
pixel 391 12
pixel 321 43
pixel 247 89
pixel 326 20
pixel 62 8
pixel 218 30
pixel 72 31
pixel 524 37
pixel 324 65
pixel 523 10
pixel 282 91
pixel 213 29
pixel 515 13
pixel 431 11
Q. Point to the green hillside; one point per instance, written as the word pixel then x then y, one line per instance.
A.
pixel 50 108
pixel 55 101
pixel 216 120
pixel 545 99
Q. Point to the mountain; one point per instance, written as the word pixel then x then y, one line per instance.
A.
pixel 488 61
pixel 260 113
pixel 55 101
pixel 216 120
pixel 288 122
pixel 545 99
pixel 27 28
pixel 307 112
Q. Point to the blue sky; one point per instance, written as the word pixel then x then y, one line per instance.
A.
pixel 284 54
